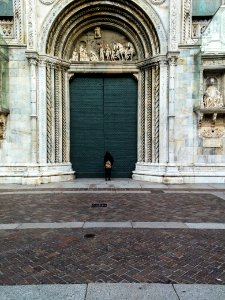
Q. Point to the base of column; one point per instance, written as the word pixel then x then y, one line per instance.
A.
pixel 36 174
pixel 179 174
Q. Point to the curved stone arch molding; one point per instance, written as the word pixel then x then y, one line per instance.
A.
pixel 148 32
pixel 144 4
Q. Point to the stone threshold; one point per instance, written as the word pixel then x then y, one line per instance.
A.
pixel 121 225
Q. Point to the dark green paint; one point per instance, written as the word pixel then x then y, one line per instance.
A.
pixel 103 114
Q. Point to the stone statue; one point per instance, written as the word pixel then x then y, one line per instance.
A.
pixel 83 54
pixel 98 33
pixel 75 55
pixel 93 56
pixel 212 97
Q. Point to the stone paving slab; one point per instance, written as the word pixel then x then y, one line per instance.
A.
pixel 68 256
pixel 122 207
pixel 44 292
pixel 200 292
pixel 131 292
pixel 113 291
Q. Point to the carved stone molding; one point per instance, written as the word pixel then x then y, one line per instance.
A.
pixel 122 14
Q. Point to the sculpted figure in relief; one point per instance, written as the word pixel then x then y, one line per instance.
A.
pixel 212 97
pixel 83 54
pixel 75 55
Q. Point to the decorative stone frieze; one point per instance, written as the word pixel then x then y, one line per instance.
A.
pixel 6 28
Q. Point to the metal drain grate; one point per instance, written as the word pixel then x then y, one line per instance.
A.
pixel 98 205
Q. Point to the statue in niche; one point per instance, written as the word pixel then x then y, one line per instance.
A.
pixel 83 53
pixel 98 34
pixel 212 97
pixel 75 55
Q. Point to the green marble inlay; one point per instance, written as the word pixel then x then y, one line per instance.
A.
pixel 6 8
pixel 205 7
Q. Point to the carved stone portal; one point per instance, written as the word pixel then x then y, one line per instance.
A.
pixel 100 45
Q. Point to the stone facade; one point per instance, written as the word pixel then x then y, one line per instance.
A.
pixel 180 138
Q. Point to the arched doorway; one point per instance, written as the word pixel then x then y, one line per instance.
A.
pixel 71 27
pixel 103 117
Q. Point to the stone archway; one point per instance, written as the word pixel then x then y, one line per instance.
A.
pixel 68 22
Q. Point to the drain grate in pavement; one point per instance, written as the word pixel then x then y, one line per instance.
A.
pixel 99 205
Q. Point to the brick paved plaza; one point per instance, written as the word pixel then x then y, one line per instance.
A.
pixel 111 255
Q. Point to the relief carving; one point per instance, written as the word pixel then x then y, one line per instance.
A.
pixel 2 126
pixel 6 28
pixel 212 96
pixel 47 1
pixel 103 45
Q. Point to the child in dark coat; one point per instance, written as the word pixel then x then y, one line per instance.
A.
pixel 108 163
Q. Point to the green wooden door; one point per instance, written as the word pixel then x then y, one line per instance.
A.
pixel 103 116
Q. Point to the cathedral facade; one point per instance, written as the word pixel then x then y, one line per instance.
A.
pixel 143 79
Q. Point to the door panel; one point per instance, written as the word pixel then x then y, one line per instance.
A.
pixel 103 117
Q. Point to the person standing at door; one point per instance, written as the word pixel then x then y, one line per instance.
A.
pixel 108 163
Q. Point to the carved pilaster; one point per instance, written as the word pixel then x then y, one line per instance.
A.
pixel 31 24
pixel 64 119
pixel 172 59
pixel 49 114
pixel 42 112
pixel 187 22
pixel 58 114
pixel 33 61
pixel 156 113
pixel 163 112
pixel 141 118
pixel 174 24
pixel 148 128
pixel 18 20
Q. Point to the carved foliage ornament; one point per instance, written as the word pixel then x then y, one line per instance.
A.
pixel 157 2
pixel 47 1
pixel 212 132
